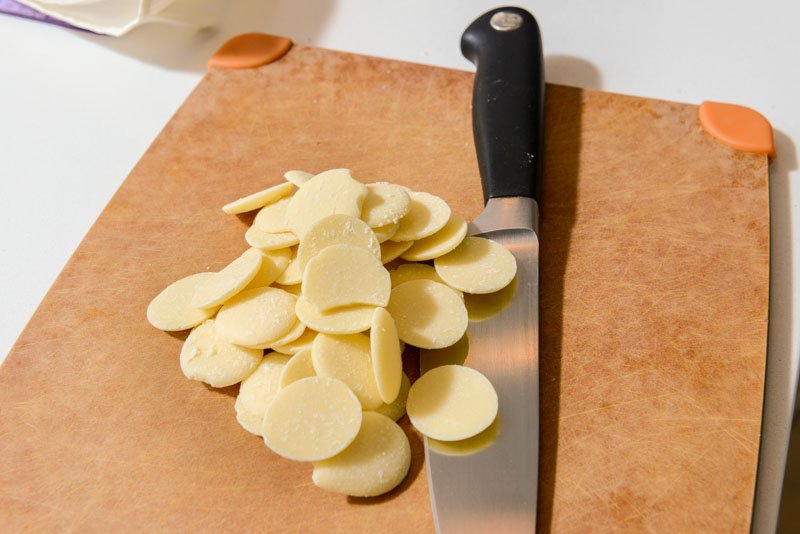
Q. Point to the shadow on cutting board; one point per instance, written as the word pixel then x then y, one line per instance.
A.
pixel 230 391
pixel 563 112
pixel 186 49
pixel 563 120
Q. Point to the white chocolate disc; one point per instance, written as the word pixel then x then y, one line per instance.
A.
pixel 466 447
pixel 386 232
pixel 376 462
pixel 428 215
pixel 258 390
pixel 258 238
pixel 327 193
pixel 343 275
pixel 391 250
pixel 292 275
pixel 229 281
pixel 439 243
pixel 297 368
pixel 385 204
pixel 336 230
pixel 298 178
pixel 350 320
pixel 428 315
pixel 260 199
pixel 272 218
pixel 387 363
pixel 312 419
pixel 208 358
pixel 347 358
pixel 294 333
pixel 487 305
pixel 172 310
pixel 455 354
pixel 397 409
pixel 301 343
pixel 257 316
pixel 417 271
pixel 477 265
pixel 451 403
pixel 273 264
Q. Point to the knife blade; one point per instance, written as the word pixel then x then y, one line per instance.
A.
pixel 495 488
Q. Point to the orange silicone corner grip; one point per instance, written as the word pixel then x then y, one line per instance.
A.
pixel 739 127
pixel 249 50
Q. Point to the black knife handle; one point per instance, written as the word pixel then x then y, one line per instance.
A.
pixel 507 101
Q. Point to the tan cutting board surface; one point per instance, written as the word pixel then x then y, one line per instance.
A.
pixel 654 262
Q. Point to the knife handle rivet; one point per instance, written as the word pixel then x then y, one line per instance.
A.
pixel 505 21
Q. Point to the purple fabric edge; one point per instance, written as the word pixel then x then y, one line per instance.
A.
pixel 12 7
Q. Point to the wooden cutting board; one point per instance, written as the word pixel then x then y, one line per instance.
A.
pixel 654 273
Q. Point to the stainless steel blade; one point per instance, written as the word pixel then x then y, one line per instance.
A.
pixel 495 489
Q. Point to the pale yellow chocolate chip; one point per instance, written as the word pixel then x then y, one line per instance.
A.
pixel 413 271
pixel 258 238
pixel 428 215
pixel 297 368
pixel 376 462
pixel 229 281
pixel 453 355
pixel 397 409
pixel 477 265
pixel 440 243
pixel 273 264
pixel 349 320
pixel 208 358
pixel 260 199
pixel 336 230
pixel 347 358
pixel 487 305
pixel 465 447
pixel 429 315
pixel 294 333
pixel 417 271
pixel 387 363
pixel 327 193
pixel 172 310
pixel 298 178
pixel 312 419
pixel 452 403
pixel 343 275
pixel 386 232
pixel 293 274
pixel 258 390
pixel 272 218
pixel 301 343
pixel 261 346
pixel 257 316
pixel 385 204
pixel 391 250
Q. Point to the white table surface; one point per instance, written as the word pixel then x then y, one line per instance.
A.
pixel 77 111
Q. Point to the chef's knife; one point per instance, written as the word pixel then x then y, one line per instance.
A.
pixel 495 489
